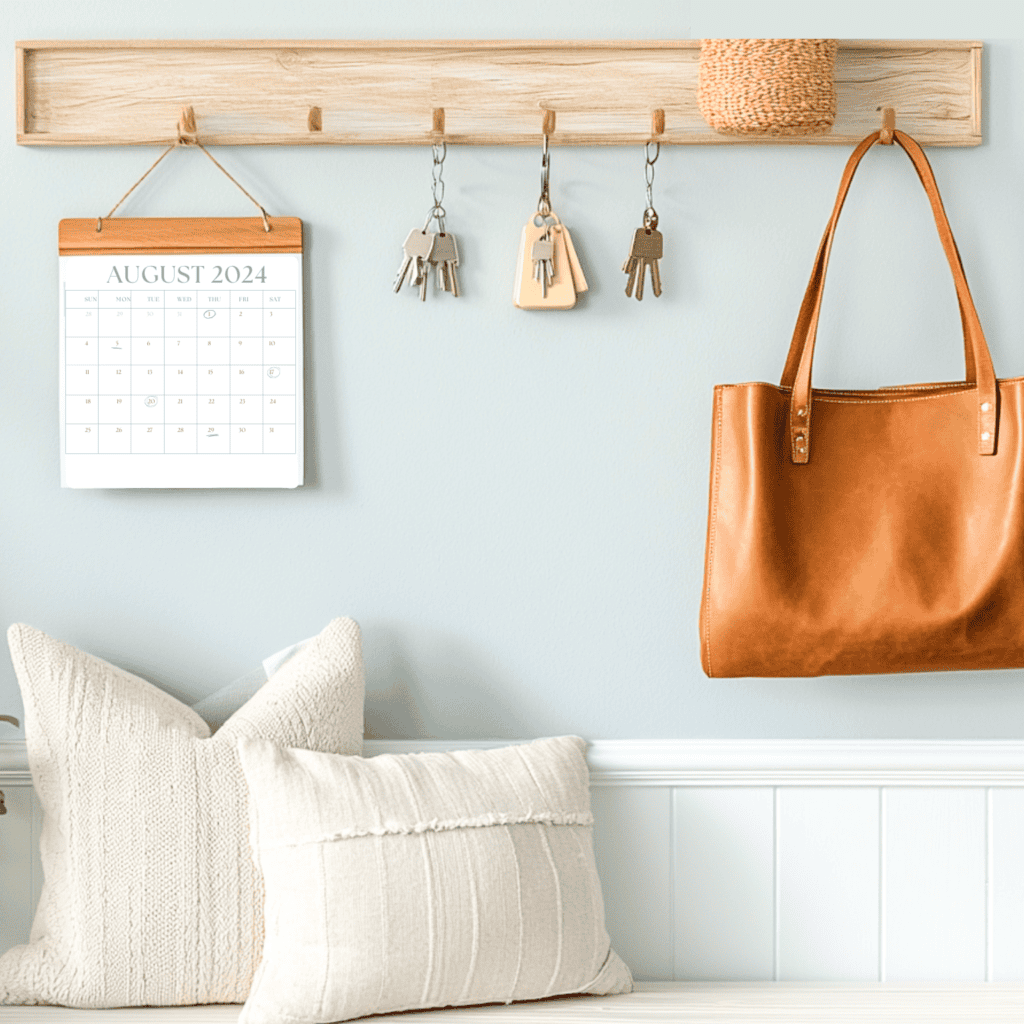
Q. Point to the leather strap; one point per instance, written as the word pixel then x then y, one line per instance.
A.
pixel 978 363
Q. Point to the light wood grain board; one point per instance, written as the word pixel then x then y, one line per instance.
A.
pixel 122 235
pixel 250 92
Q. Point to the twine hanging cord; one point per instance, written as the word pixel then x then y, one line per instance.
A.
pixel 174 145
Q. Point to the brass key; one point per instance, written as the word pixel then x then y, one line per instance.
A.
pixel 645 253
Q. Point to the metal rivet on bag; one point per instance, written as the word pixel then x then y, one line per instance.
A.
pixel 985 406
pixel 799 438
pixel 803 412
pixel 985 435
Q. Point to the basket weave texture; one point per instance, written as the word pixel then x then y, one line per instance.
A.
pixel 768 86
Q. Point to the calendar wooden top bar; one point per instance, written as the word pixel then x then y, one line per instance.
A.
pixel 179 235
pixel 493 92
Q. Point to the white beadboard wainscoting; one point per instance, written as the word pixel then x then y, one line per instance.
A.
pixel 772 860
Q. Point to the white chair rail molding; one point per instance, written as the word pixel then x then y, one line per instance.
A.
pixel 748 880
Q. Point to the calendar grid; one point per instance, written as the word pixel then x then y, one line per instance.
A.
pixel 180 372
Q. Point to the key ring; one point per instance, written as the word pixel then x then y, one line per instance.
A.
pixel 649 163
pixel 544 203
pixel 440 151
pixel 437 213
pixel 650 214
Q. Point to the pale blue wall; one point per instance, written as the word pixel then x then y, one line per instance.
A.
pixel 512 505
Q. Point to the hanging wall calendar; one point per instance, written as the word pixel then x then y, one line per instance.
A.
pixel 181 352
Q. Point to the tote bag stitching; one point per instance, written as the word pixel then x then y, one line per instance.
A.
pixel 824 394
pixel 881 400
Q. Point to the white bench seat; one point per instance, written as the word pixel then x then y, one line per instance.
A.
pixel 654 1003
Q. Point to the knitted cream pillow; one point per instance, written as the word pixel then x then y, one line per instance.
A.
pixel 421 880
pixel 151 896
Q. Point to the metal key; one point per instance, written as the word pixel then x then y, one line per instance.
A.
pixel 445 256
pixel 417 249
pixel 543 256
pixel 645 253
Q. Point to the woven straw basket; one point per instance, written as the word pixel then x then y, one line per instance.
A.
pixel 768 86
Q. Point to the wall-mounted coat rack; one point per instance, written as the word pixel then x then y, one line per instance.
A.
pixel 502 92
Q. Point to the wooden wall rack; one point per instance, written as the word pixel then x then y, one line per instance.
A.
pixel 360 92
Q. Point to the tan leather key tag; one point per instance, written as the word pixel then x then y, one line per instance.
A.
pixel 578 280
pixel 544 274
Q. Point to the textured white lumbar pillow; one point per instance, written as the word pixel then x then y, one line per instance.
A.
pixel 151 896
pixel 422 880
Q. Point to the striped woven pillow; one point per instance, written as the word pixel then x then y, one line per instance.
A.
pixel 424 880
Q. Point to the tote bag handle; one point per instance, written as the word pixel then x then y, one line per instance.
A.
pixel 978 362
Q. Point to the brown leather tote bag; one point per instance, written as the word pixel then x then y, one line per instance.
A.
pixel 866 531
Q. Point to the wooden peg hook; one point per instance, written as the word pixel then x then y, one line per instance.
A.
pixel 549 122
pixel 657 122
pixel 437 125
pixel 315 120
pixel 888 125
pixel 187 130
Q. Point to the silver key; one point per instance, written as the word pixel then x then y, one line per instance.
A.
pixel 445 256
pixel 543 256
pixel 645 253
pixel 417 249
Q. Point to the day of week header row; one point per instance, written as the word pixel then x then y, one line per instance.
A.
pixel 110 299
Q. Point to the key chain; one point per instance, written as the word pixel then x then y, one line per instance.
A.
pixel 548 272
pixel 647 241
pixel 425 250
